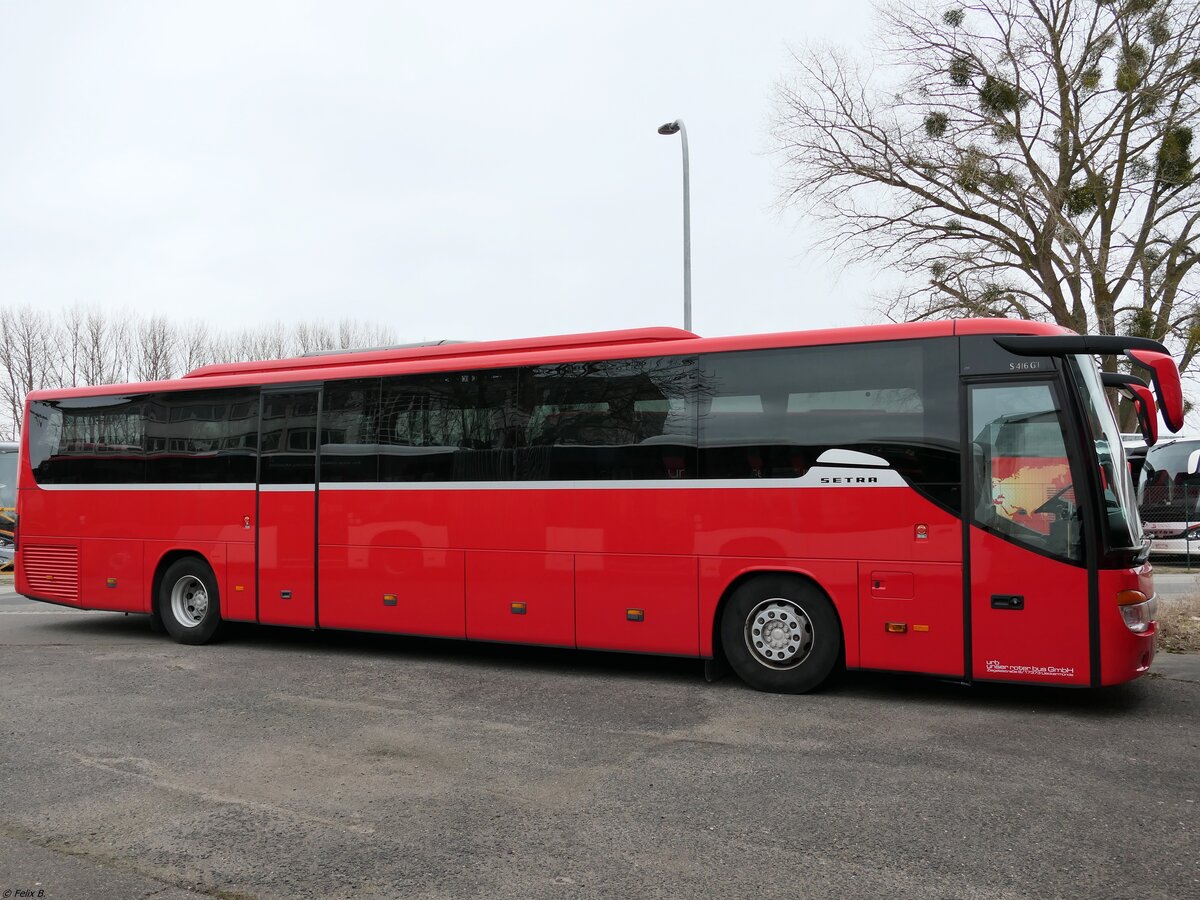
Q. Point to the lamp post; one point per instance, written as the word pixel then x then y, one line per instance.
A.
pixel 671 128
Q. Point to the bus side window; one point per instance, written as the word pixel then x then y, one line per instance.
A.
pixel 455 426
pixel 772 413
pixel 609 419
pixel 350 431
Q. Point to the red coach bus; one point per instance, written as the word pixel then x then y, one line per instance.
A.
pixel 949 498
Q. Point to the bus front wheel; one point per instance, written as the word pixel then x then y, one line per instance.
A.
pixel 188 601
pixel 781 634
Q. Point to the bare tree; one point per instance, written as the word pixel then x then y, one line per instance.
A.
pixel 95 346
pixel 70 361
pixel 1019 158
pixel 313 336
pixel 28 356
pixel 195 346
pixel 348 334
pixel 270 341
pixel 352 334
pixel 105 347
pixel 157 343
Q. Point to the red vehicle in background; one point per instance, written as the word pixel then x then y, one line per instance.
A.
pixel 950 498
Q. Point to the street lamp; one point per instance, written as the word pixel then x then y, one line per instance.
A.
pixel 671 128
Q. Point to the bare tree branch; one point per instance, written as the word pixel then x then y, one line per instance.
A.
pixel 1020 158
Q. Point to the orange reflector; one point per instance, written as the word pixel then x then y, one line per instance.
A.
pixel 389 599
pixel 518 608
pixel 635 615
pixel 110 582
pixel 895 627
pixel 920 628
pixel 239 587
pixel 1128 598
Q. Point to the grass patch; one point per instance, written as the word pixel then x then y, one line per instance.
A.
pixel 1179 625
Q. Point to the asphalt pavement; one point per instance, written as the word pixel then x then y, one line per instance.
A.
pixel 1176 583
pixel 285 763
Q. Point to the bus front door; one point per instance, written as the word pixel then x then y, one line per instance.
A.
pixel 1029 581
pixel 287 500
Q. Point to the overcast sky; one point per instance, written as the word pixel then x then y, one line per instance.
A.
pixel 468 170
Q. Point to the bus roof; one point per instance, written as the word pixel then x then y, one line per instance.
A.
pixel 627 343
pixel 458 349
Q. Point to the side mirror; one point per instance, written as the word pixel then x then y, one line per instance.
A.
pixel 1165 376
pixel 1147 413
pixel 1139 394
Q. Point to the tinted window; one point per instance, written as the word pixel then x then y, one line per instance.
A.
pixel 88 440
pixel 612 419
pixel 350 431
pixel 461 426
pixel 201 436
pixel 289 429
pixel 772 413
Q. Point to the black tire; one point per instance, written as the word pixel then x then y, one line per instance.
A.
pixel 802 622
pixel 194 614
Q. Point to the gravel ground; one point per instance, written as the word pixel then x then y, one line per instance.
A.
pixel 284 763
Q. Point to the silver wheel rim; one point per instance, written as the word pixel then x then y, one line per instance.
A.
pixel 189 601
pixel 779 633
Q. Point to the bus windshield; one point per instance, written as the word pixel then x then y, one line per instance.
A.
pixel 1170 483
pixel 1124 527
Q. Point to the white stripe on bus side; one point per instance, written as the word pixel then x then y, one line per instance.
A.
pixel 827 478
pixel 818 477
pixel 200 486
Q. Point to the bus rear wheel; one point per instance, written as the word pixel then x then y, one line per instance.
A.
pixel 188 602
pixel 781 634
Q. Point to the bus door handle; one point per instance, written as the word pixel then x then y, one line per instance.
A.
pixel 1008 601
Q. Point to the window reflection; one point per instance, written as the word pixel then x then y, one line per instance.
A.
pixel 1022 480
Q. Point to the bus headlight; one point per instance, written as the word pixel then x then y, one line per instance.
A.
pixel 1138 610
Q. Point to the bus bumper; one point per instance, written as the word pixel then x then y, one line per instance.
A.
pixel 1128 635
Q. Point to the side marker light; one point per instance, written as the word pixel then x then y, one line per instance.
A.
pixel 895 627
pixel 635 615
pixel 1128 598
pixel 389 599
pixel 517 609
